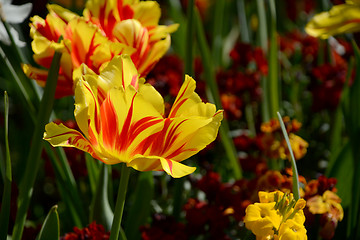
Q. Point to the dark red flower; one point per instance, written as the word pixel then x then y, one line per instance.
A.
pixel 92 232
pixel 328 82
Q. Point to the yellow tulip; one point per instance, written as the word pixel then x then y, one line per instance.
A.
pixel 121 119
pixel 343 18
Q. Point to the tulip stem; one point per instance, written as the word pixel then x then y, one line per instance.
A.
pixel 120 202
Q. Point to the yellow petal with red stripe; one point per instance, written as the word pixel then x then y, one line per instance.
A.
pixel 343 18
pixel 173 168
pixel 59 135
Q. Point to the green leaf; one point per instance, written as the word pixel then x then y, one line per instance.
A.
pixel 51 226
pixel 140 209
pixel 296 184
pixel 93 168
pixel 33 161
pixel 353 129
pixel 217 34
pixel 214 96
pixel 6 198
pixel 178 42
pixel 342 170
pixel 273 87
pixel 100 210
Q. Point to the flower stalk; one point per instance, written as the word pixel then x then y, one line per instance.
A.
pixel 120 202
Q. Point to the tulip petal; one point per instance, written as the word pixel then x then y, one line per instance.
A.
pixel 147 12
pixel 151 163
pixel 63 88
pixel 152 96
pixel 87 110
pixel 175 169
pixel 340 19
pixel 59 135
pixel 133 119
pixel 65 14
pixel 188 103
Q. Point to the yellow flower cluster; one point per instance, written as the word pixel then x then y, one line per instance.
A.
pixel 277 216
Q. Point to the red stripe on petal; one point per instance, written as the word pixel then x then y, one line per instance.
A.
pixel 109 123
pixel 178 104
pixel 122 140
pixel 141 125
pixel 96 117
pixel 176 108
pixel 170 165
pixel 135 82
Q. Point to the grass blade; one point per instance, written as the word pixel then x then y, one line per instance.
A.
pixel 215 97
pixel 6 198
pixel 296 185
pixel 51 226
pixel 33 161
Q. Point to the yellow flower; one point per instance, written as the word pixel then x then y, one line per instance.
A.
pixel 343 18
pixel 126 124
pixel 292 230
pixel 329 203
pixel 276 214
pixel 262 219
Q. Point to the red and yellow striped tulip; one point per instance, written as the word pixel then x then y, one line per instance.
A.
pixel 108 29
pixel 128 123
pixel 342 18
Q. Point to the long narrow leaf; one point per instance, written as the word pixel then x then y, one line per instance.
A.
pixel 296 185
pixel 263 42
pixel 273 91
pixel 93 169
pixel 51 226
pixel 189 39
pixel 33 161
pixel 215 96
pixel 353 128
pixel 6 198
pixel 217 35
pixel 140 209
pixel 100 210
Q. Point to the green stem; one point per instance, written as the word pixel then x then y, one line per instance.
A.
pixel 189 39
pixel 273 87
pixel 33 161
pixel 214 95
pixel 263 42
pixel 120 202
pixel 6 198
pixel 262 25
pixel 244 30
pixel 217 35
pixel 296 185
